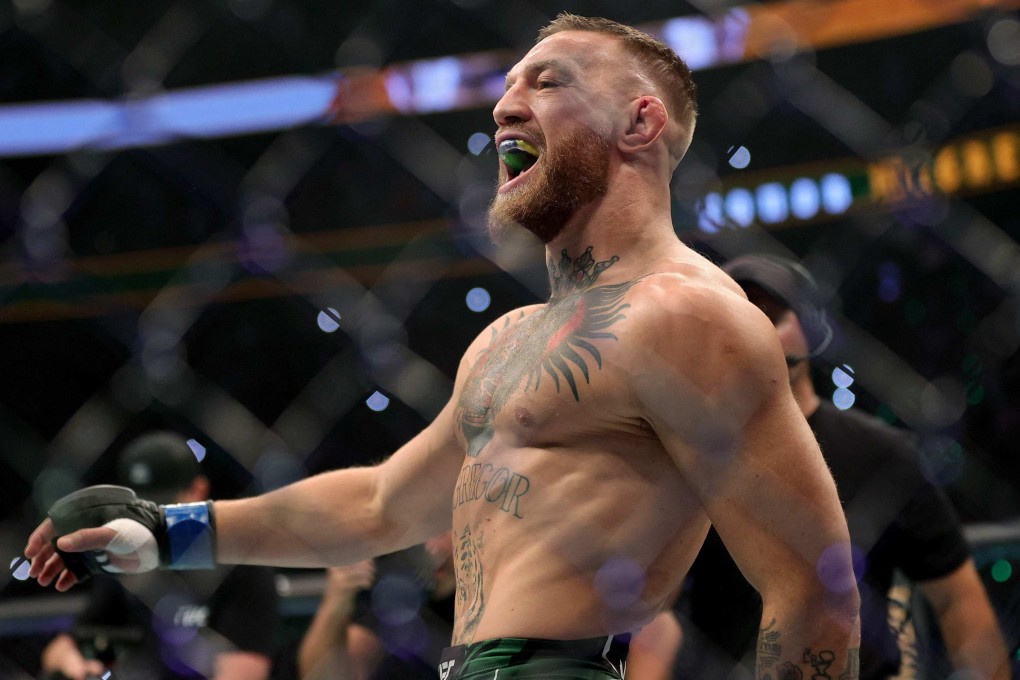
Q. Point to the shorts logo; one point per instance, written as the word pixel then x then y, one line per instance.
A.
pixel 445 669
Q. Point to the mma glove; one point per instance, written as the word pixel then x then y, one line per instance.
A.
pixel 167 536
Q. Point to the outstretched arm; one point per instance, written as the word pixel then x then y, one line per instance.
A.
pixel 345 516
pixel 337 517
pixel 968 623
pixel 717 393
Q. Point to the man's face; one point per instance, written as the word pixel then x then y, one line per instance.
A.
pixel 788 328
pixel 557 101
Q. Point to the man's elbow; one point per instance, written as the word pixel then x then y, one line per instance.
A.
pixel 833 587
pixel 820 605
pixel 845 608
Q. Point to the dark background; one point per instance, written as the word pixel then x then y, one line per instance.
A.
pixel 179 285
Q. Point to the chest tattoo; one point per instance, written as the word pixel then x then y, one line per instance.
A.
pixel 558 340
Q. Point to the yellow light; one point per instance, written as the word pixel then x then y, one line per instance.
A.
pixel 884 183
pixel 947 170
pixel 977 164
pixel 1005 153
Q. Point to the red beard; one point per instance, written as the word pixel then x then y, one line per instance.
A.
pixel 568 175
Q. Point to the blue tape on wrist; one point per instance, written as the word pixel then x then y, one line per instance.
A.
pixel 189 534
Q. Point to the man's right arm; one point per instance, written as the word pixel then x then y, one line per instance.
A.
pixel 337 517
pixel 349 515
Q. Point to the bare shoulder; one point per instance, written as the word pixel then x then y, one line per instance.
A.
pixel 702 345
pixel 698 314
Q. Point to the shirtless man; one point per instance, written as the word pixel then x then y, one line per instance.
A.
pixel 589 441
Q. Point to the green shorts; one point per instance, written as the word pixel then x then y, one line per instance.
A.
pixel 603 658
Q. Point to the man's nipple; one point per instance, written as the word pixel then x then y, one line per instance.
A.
pixel 524 417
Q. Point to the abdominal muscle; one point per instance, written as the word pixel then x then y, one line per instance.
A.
pixel 561 543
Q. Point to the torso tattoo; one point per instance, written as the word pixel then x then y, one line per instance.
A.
pixel 470 596
pixel 558 340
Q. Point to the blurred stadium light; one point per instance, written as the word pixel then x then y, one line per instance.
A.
pixel 444 84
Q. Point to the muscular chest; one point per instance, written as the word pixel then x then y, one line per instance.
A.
pixel 542 371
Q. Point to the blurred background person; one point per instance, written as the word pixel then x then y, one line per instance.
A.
pixel 384 619
pixel 653 650
pixel 897 518
pixel 218 624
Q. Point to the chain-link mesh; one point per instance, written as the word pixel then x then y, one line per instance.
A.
pixel 295 300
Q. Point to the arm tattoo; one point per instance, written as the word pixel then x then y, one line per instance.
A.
pixel 770 650
pixel 787 671
pixel 820 662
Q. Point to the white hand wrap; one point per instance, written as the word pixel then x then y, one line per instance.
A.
pixel 132 539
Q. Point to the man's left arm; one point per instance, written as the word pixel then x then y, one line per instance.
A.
pixel 967 621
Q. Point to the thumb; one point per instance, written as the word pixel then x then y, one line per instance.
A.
pixel 87 539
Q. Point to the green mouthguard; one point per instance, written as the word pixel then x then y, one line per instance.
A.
pixel 517 154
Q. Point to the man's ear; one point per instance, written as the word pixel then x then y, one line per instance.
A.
pixel 648 121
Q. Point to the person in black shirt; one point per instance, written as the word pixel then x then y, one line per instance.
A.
pixel 896 516
pixel 218 624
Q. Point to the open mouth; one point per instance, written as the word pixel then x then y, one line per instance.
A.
pixel 518 156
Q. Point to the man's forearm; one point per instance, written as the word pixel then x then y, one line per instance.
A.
pixel 968 623
pixel 653 650
pixel 242 666
pixel 974 641
pixel 323 650
pixel 61 652
pixel 321 521
pixel 810 642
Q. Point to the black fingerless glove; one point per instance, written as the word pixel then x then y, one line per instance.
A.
pixel 184 533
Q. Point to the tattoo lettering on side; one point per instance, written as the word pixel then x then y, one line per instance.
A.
pixel 557 340
pixel 470 595
pixel 853 665
pixel 500 486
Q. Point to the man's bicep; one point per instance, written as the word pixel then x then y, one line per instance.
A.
pixel 773 501
pixel 749 456
pixel 418 480
pixel 721 403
